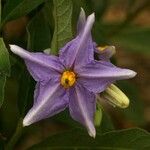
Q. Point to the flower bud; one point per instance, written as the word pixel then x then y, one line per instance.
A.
pixel 106 51
pixel 115 96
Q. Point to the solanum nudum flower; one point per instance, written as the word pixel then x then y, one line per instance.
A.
pixel 71 80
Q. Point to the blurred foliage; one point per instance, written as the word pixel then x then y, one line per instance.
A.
pixel 4 68
pixel 131 139
pixel 17 8
pixel 39 27
pixel 2 84
pixel 135 111
pixel 4 61
pixel 133 39
pixel 48 25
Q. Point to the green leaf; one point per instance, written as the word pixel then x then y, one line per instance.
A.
pixel 2 85
pixel 64 117
pixel 133 39
pixel 4 59
pixel 63 28
pixel 130 139
pixel 17 8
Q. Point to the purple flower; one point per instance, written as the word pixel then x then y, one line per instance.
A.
pixel 71 80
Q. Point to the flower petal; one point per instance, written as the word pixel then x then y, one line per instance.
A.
pixel 79 49
pixel 82 107
pixel 41 66
pixel 95 85
pixel 96 76
pixel 81 21
pixel 50 99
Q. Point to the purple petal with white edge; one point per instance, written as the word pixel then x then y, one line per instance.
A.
pixel 79 46
pixel 101 69
pixel 82 105
pixel 50 99
pixel 41 66
pixel 96 76
pixel 81 21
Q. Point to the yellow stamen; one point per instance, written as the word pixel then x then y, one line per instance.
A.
pixel 68 79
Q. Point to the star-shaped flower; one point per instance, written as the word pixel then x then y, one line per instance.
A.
pixel 71 80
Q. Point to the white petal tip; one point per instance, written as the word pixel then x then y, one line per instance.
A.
pixel 127 74
pixel 17 50
pixel 13 48
pixel 26 122
pixel 91 17
pixel 92 132
pixel 82 11
pixel 82 15
pixel 132 74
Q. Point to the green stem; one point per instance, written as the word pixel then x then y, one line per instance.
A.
pixel 12 142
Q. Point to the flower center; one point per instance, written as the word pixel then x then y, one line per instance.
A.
pixel 68 79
